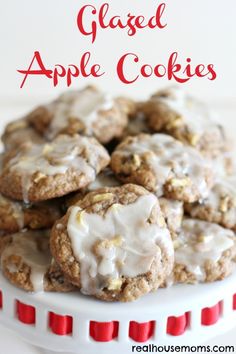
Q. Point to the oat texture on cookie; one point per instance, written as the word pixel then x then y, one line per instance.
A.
pixel 219 206
pixel 204 252
pixel 27 263
pixel 15 215
pixel 88 111
pixel 38 172
pixel 164 166
pixel 118 241
pixel 180 115
pixel 114 197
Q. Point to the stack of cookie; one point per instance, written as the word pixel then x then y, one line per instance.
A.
pixel 116 198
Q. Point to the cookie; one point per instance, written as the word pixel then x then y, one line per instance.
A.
pixel 220 206
pixel 137 124
pixel 223 165
pixel 173 213
pixel 27 263
pixel 18 132
pixel 15 216
pixel 36 172
pixel 204 252
pixel 164 166
pixel 186 119
pixel 88 111
pixel 55 281
pixel 114 244
pixel 106 178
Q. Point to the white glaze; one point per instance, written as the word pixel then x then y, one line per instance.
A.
pixel 169 158
pixel 83 105
pixel 25 245
pixel 195 114
pixel 224 190
pixel 133 243
pixel 64 153
pixel 223 165
pixel 201 241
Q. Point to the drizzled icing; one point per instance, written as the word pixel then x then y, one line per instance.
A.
pixel 222 199
pixel 199 242
pixel 64 153
pixel 168 158
pixel 120 243
pixel 222 188
pixel 104 179
pixel 18 132
pixel 223 164
pixel 83 105
pixel 15 208
pixel 33 248
pixel 191 112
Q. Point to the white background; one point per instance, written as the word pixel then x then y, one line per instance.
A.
pixel 204 30
pixel 11 344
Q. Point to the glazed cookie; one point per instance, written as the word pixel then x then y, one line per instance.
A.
pixel 204 252
pixel 220 206
pixel 14 216
pixel 105 179
pixel 114 244
pixel 173 213
pixel 186 119
pixel 88 111
pixel 137 124
pixel 223 165
pixel 36 172
pixel 18 132
pixel 27 263
pixel 164 166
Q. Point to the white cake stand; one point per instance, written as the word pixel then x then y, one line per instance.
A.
pixel 72 323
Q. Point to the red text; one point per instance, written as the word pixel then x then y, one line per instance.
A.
pixel 83 69
pixel 172 70
pixel 100 19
